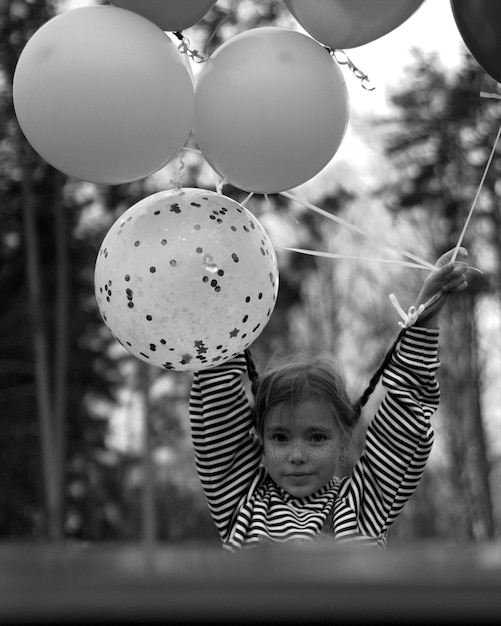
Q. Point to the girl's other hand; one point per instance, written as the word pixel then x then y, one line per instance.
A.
pixel 447 277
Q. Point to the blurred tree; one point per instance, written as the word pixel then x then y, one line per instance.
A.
pixel 439 140
pixel 24 371
pixel 49 317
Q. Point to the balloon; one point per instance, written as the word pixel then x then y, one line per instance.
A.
pixel 170 15
pixel 271 109
pixel 478 24
pixel 103 94
pixel 186 278
pixel 341 24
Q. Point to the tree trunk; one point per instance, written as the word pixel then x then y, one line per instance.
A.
pixel 461 383
pixel 61 348
pixel 149 520
pixel 479 463
pixel 49 455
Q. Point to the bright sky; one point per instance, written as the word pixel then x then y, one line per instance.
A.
pixel 430 28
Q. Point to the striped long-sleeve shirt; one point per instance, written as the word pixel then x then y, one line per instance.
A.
pixel 248 507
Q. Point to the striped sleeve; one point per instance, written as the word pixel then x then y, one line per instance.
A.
pixel 227 454
pixel 399 438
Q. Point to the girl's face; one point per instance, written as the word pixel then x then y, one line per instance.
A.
pixel 302 445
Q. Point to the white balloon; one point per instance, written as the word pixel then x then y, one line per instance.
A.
pixel 186 278
pixel 103 94
pixel 271 109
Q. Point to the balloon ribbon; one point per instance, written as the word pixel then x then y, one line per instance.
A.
pixel 330 255
pixel 422 263
pixel 489 161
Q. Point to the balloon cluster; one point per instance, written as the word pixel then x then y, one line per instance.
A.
pixel 103 94
pixel 187 278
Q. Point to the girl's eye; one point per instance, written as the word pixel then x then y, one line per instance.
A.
pixel 318 438
pixel 279 438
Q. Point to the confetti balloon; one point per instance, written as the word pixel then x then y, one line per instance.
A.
pixel 172 15
pixel 186 278
pixel 103 95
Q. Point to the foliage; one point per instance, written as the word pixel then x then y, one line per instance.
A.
pixel 440 157
pixel 48 314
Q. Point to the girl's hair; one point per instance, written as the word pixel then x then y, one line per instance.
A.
pixel 314 380
pixel 317 379
pixel 362 401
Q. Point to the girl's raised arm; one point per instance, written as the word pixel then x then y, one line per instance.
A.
pixel 227 453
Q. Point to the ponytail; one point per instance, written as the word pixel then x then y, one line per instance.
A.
pixel 252 371
pixel 369 390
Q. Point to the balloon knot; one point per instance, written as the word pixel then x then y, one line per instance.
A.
pixel 178 181
pixel 184 48
pixel 412 315
pixel 362 77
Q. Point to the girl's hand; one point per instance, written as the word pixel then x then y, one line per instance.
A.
pixel 447 277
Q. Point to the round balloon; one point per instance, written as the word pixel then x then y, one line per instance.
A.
pixel 103 94
pixel 271 109
pixel 170 15
pixel 186 278
pixel 342 24
pixel 478 24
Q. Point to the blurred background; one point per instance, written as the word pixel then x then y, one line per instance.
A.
pixel 95 444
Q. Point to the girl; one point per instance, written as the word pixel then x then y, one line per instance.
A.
pixel 270 472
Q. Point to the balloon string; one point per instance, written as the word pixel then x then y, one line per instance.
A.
pixel 219 184
pixel 178 181
pixel 244 203
pixel 470 213
pixel 184 48
pixel 364 79
pixel 412 315
pixel 329 255
pixel 339 220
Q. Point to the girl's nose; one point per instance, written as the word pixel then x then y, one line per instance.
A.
pixel 297 453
